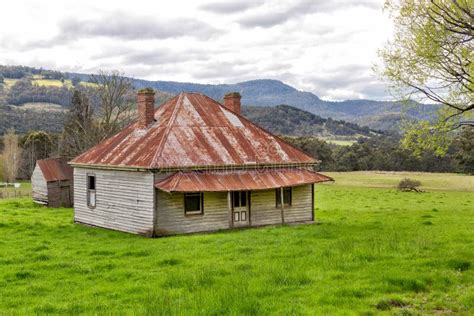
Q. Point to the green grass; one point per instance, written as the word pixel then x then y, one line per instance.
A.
pixel 52 82
pixel 10 191
pixel 341 142
pixel 373 253
pixel 390 179
pixel 9 82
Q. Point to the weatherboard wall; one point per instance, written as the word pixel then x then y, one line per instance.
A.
pixel 124 200
pixel 265 212
pixel 39 187
pixel 171 218
pixel 60 193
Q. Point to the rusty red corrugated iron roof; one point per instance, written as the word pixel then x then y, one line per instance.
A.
pixel 218 181
pixel 55 169
pixel 193 130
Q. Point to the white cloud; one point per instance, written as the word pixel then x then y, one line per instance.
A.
pixel 324 47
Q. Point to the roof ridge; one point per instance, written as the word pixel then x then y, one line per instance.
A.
pixel 160 148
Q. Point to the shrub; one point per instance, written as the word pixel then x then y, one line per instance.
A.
pixel 409 185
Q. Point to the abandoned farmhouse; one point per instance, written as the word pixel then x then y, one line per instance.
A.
pixel 192 165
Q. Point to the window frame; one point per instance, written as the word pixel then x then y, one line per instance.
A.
pixel 91 191
pixel 289 190
pixel 201 203
pixel 239 196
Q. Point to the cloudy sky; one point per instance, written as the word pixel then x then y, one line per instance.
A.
pixel 325 47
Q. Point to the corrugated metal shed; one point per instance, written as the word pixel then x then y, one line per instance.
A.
pixel 193 130
pixel 238 180
pixel 55 169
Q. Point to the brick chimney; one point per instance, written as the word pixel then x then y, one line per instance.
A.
pixel 146 107
pixel 232 101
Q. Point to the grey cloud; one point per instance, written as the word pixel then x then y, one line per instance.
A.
pixel 136 27
pixel 267 19
pixel 228 7
pixel 152 56
pixel 340 77
pixel 164 56
pixel 356 78
pixel 126 27
pixel 225 69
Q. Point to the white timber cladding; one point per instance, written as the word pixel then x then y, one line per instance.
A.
pixel 124 200
pixel 39 187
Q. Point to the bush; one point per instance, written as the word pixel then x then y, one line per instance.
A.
pixel 409 185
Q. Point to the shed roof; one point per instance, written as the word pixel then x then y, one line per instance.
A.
pixel 193 130
pixel 55 169
pixel 219 181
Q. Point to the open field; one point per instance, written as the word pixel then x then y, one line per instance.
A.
pixel 390 179
pixel 10 191
pixel 375 251
pixel 341 142
pixel 52 82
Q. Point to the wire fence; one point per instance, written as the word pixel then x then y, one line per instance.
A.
pixel 14 190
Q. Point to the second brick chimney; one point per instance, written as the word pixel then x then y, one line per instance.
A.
pixel 146 107
pixel 232 101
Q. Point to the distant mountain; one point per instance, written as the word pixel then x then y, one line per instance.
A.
pixel 378 115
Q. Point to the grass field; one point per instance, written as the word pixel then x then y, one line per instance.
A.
pixel 52 82
pixel 10 191
pixel 341 142
pixel 375 251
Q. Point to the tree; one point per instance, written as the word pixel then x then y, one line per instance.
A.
pixel 98 112
pixel 75 81
pixel 116 102
pixel 430 59
pixel 36 145
pixel 409 185
pixel 10 156
pixel 79 129
pixel 465 153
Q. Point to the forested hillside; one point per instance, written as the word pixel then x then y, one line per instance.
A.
pixel 32 100
pixel 287 120
pixel 51 91
pixel 378 115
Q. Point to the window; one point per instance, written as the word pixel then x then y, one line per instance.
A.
pixel 239 198
pixel 91 191
pixel 286 197
pixel 193 203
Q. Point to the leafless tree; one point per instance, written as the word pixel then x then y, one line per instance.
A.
pixel 98 112
pixel 11 156
pixel 116 102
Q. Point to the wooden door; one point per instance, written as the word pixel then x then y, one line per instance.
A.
pixel 240 208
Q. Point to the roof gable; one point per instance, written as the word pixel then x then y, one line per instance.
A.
pixel 193 130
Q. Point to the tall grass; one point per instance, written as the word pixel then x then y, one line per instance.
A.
pixel 370 254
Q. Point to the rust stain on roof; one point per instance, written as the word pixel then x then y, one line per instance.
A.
pixel 193 130
pixel 197 181
pixel 55 169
